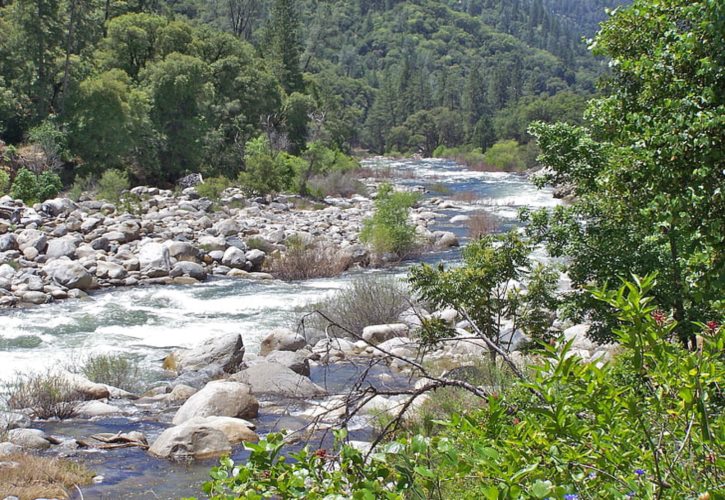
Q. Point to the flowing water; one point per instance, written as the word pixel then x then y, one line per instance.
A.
pixel 148 322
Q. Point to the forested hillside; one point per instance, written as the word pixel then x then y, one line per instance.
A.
pixel 160 89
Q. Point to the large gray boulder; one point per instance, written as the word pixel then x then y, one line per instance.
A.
pixel 190 442
pixel 226 227
pixel 234 257
pixel 10 420
pixel 154 259
pixel 105 269
pixel 376 334
pixel 61 247
pixel 31 439
pixel 182 251
pixel 70 274
pixel 267 377
pixel 226 351
pixel 58 206
pixel 185 268
pixel 220 398
pixel 281 339
pixel 32 238
pixel 8 242
pixel 255 257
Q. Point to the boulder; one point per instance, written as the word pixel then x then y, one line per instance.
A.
pixel 89 390
pixel 90 409
pixel 130 229
pixel 189 442
pixel 31 439
pixel 8 242
pixel 6 271
pixel 185 268
pixel 236 430
pixel 227 352
pixel 90 224
pixel 10 420
pixel 266 377
pixel 226 227
pixel 295 361
pixel 58 206
pixel 110 270
pixel 281 339
pixel 578 333
pixel 8 448
pixel 36 298
pixel 182 251
pixel 32 238
pixel 234 257
pixel 154 259
pixel 256 257
pixel 70 274
pixel 376 334
pixel 221 398
pixel 61 247
pixel 445 239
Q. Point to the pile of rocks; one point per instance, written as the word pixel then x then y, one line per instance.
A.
pixel 60 249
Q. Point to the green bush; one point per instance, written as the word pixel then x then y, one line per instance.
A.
pixel 337 183
pixel 25 186
pixel 388 231
pixel 111 184
pixel 4 182
pixel 113 369
pixel 506 155
pixel 266 172
pixel 213 187
pixel 49 185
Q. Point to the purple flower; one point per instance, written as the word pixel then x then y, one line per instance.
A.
pixel 631 494
pixel 639 472
pixel 571 496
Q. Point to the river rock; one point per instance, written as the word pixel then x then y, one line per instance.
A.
pixel 281 339
pixel 89 224
pixel 297 361
pixel 70 274
pixel 111 270
pixel 234 257
pixel 31 439
pixel 90 409
pixel 191 269
pixel 8 448
pixel 192 441
pixel 445 239
pixel 154 259
pixel 11 420
pixel 236 430
pixel 226 227
pixel 266 377
pixel 34 297
pixel 182 251
pixel 32 238
pixel 226 352
pixel 61 247
pixel 8 242
pixel 376 334
pixel 219 398
pixel 255 257
pixel 86 388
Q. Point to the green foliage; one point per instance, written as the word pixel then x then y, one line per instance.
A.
pixel 266 171
pixel 111 185
pixel 115 370
pixel 647 425
pixel 496 282
pixel 648 170
pixel 388 231
pixel 213 187
pixel 506 156
pixel 313 474
pixel 4 182
pixel 47 395
pixel 25 186
pixel 49 185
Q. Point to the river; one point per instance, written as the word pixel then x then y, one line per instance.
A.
pixel 148 322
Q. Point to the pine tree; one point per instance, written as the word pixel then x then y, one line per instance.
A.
pixel 285 45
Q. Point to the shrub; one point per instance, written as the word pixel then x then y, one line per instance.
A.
pixel 113 369
pixel 506 155
pixel 337 183
pixel 81 184
pixel 47 395
pixel 213 187
pixel 364 301
pixel 481 224
pixel 388 231
pixel 25 186
pixel 49 185
pixel 4 182
pixel 304 261
pixel 111 185
pixel 266 172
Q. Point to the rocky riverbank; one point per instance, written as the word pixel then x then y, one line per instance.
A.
pixel 61 249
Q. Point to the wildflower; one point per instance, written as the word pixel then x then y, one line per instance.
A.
pixel 321 453
pixel 571 496
pixel 659 317
pixel 712 326
pixel 592 475
pixel 639 472
pixel 631 494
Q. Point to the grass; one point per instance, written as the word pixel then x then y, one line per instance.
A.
pixel 42 477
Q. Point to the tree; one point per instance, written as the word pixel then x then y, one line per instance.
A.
pixel 648 172
pixel 285 45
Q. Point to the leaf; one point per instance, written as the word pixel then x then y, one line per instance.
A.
pixel 541 488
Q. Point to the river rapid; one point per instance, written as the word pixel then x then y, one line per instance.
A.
pixel 148 322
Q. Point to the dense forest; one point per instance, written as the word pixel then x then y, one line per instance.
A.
pixel 160 89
